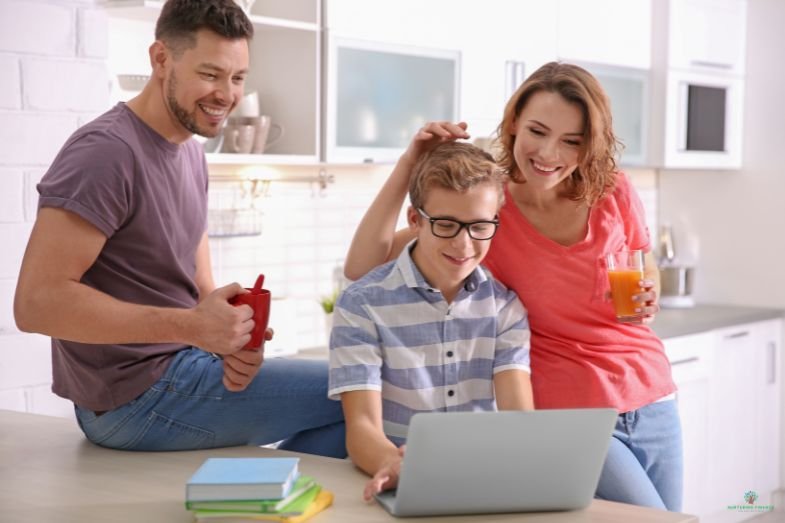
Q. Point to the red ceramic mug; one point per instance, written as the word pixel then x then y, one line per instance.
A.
pixel 259 300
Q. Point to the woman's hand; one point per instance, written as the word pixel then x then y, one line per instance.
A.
pixel 646 302
pixel 386 478
pixel 431 135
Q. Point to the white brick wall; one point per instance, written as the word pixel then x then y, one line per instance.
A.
pixel 12 196
pixel 54 32
pixel 54 78
pixel 57 85
pixel 10 88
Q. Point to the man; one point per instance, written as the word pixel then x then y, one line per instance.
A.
pixel 117 269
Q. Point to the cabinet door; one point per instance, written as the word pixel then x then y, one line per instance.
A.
pixel 690 358
pixel 734 429
pixel 628 92
pixel 707 35
pixel 488 35
pixel 590 31
pixel 769 381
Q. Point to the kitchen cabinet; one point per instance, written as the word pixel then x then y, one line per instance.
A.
pixel 488 37
pixel 768 382
pixel 729 402
pixel 707 35
pixel 691 364
pixel 628 91
pixel 591 32
pixel 285 68
pixel 698 61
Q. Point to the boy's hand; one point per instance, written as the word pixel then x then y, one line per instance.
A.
pixel 242 367
pixel 431 135
pixel 386 478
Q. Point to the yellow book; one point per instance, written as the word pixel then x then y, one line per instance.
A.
pixel 322 501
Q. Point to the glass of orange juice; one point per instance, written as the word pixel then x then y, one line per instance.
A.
pixel 625 271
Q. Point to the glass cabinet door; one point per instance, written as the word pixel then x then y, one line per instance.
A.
pixel 628 91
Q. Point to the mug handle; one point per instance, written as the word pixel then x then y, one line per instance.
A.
pixel 279 128
pixel 230 137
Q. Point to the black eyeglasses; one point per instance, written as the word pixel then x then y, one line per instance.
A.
pixel 449 228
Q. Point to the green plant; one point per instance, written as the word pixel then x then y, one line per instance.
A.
pixel 328 302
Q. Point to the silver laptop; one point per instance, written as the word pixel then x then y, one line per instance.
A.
pixel 512 461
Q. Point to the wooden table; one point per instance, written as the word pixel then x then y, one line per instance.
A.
pixel 49 472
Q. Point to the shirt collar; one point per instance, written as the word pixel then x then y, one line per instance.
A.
pixel 413 278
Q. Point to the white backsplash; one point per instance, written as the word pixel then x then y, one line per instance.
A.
pixel 305 232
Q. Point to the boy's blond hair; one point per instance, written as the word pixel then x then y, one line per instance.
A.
pixel 458 166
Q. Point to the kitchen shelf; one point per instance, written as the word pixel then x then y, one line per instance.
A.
pixel 148 10
pixel 259 159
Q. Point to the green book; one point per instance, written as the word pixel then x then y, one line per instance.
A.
pixel 304 489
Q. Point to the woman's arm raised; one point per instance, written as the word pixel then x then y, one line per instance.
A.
pixel 375 240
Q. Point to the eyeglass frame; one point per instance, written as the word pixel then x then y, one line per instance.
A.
pixel 461 226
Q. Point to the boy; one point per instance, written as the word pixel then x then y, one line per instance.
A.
pixel 430 331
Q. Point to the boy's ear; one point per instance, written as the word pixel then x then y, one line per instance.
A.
pixel 412 218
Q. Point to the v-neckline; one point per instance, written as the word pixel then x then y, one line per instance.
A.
pixel 542 239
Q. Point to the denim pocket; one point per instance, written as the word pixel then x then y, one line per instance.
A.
pixel 160 433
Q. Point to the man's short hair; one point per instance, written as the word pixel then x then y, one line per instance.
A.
pixel 458 166
pixel 181 19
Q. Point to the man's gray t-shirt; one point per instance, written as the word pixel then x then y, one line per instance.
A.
pixel 149 198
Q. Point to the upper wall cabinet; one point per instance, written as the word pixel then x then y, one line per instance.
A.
pixel 698 63
pixel 592 32
pixel 707 35
pixel 285 69
pixel 489 37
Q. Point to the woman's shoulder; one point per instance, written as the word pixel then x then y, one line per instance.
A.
pixel 621 191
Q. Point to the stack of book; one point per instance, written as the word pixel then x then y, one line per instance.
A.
pixel 234 490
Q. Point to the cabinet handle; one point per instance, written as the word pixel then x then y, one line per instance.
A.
pixel 685 361
pixel 713 65
pixel 740 334
pixel 772 369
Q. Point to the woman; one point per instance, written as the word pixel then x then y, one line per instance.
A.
pixel 566 208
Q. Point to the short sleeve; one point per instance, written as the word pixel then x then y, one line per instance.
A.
pixel 355 348
pixel 92 177
pixel 512 333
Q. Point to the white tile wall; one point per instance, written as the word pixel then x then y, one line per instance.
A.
pixel 305 233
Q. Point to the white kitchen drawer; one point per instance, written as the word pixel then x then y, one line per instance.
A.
pixel 690 356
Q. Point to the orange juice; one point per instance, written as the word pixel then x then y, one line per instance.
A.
pixel 624 284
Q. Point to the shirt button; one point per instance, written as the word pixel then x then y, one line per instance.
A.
pixel 449 354
pixel 451 393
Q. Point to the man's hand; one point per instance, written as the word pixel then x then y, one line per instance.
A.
pixel 241 367
pixel 221 327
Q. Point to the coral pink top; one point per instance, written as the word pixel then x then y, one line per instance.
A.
pixel 580 355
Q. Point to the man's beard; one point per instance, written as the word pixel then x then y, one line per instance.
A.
pixel 185 118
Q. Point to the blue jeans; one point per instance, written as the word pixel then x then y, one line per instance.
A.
pixel 644 464
pixel 189 408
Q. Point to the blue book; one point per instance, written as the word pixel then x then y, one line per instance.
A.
pixel 224 479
